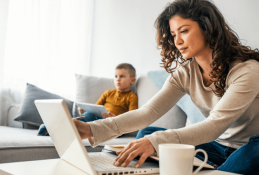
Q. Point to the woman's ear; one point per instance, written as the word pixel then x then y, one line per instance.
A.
pixel 133 79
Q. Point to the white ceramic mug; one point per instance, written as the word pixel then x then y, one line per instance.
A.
pixel 177 159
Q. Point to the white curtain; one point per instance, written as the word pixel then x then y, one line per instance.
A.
pixel 47 42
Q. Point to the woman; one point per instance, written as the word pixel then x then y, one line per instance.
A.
pixel 220 75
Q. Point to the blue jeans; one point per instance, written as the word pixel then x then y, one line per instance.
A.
pixel 148 130
pixel 88 117
pixel 244 160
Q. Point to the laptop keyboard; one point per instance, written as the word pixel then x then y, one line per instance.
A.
pixel 105 161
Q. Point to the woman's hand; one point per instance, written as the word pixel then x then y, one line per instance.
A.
pixel 83 129
pixel 141 147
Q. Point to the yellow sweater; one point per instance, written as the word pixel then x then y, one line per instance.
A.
pixel 118 102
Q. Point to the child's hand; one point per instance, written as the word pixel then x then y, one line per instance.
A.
pixel 105 115
pixel 111 114
pixel 80 111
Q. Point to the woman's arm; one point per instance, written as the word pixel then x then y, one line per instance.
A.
pixel 242 91
pixel 103 130
pixel 164 100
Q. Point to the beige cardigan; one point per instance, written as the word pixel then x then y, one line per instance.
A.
pixel 230 120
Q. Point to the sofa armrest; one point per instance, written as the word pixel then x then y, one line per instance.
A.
pixel 12 112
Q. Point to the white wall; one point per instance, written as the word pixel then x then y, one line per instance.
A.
pixel 123 31
pixel 243 18
pixel 3 21
pixel 4 99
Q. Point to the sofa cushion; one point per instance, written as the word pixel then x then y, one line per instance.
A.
pixel 90 88
pixel 28 112
pixel 185 103
pixel 173 119
pixel 18 144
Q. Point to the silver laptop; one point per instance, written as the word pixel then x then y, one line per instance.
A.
pixel 70 148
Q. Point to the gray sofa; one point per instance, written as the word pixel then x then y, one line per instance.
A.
pixel 19 144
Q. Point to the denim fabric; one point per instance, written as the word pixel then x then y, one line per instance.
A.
pixel 217 153
pixel 88 117
pixel 148 130
pixel 43 131
pixel 244 160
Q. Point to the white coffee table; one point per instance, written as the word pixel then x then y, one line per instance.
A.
pixel 60 167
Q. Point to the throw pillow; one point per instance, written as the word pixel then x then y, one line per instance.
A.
pixel 28 112
pixel 185 103
pixel 169 120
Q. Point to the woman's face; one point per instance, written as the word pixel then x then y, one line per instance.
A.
pixel 188 37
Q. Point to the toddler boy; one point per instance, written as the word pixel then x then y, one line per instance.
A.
pixel 116 101
pixel 119 100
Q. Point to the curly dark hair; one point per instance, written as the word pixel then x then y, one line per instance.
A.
pixel 221 38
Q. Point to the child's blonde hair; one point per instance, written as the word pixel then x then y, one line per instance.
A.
pixel 128 67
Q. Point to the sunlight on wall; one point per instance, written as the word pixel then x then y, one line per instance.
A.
pixel 47 43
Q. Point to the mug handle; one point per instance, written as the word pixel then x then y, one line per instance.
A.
pixel 206 159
